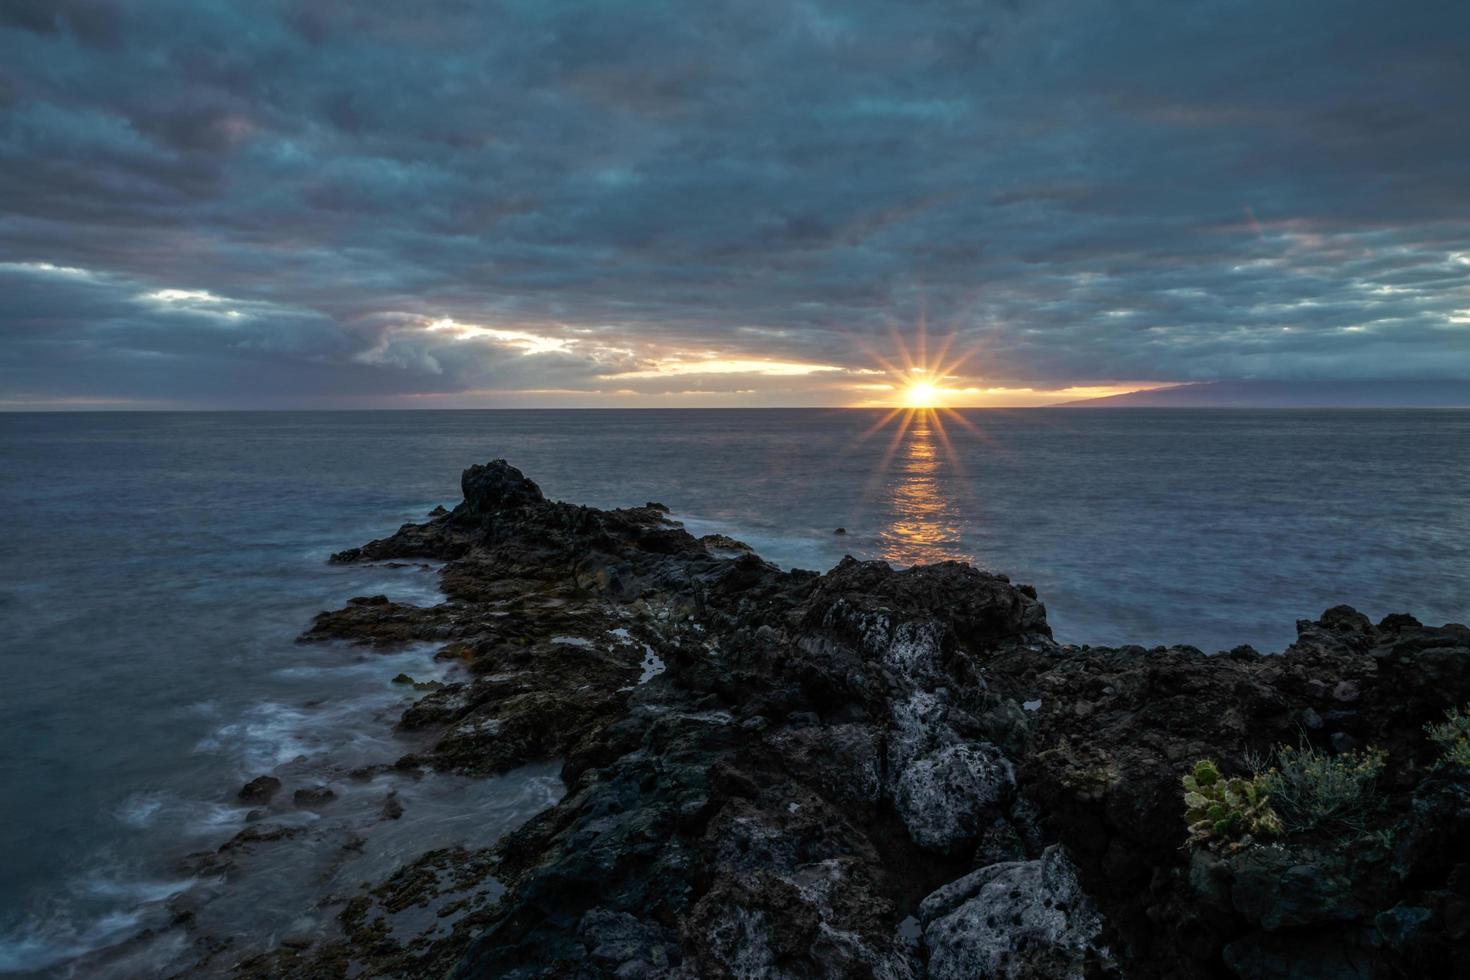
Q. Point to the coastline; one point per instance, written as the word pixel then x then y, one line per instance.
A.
pixel 861 772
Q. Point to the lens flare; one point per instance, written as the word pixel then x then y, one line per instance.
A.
pixel 922 394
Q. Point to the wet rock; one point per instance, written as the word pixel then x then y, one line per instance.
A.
pixel 259 790
pixel 822 752
pixel 392 807
pixel 313 796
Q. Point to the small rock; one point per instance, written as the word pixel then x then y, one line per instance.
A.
pixel 403 679
pixel 1399 924
pixel 296 942
pixel 438 511
pixel 1346 691
pixel 1311 720
pixel 1342 742
pixel 368 600
pixel 392 808
pixel 259 790
pixel 840 530
pixel 309 796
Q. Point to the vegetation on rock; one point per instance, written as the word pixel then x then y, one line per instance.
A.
pixel 1452 736
pixel 1315 790
pixel 1226 811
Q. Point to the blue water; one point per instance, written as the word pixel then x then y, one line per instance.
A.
pixel 158 567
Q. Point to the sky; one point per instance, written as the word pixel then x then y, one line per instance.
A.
pixel 445 203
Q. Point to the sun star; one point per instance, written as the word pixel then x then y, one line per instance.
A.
pixel 921 394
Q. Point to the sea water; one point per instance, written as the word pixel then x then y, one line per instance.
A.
pixel 159 566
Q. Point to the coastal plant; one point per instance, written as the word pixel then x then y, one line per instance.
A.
pixel 1226 812
pixel 1453 737
pixel 1314 790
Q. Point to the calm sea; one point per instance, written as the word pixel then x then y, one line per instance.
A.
pixel 158 567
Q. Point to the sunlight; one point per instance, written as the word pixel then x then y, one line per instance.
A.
pixel 922 394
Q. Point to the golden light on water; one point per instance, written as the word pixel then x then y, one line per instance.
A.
pixel 920 476
pixel 925 526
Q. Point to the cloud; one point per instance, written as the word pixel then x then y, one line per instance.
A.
pixel 494 199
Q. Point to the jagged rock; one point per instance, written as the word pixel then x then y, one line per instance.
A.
pixel 943 798
pixel 259 790
pixel 824 751
pixel 1017 919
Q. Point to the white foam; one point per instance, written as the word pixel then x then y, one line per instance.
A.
pixel 140 809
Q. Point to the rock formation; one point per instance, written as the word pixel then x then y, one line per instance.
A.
pixel 880 773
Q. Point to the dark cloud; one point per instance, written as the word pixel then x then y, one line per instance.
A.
pixel 585 196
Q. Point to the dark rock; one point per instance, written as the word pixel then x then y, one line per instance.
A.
pixel 840 530
pixel 313 796
pixel 1436 834
pixel 1272 891
pixel 1331 955
pixel 259 790
pixel 392 807
pixel 826 755
pixel 1399 926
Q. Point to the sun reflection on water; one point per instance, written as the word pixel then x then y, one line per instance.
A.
pixel 925 525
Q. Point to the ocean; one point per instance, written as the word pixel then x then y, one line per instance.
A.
pixel 159 566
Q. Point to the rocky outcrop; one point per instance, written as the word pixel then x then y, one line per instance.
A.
pixel 884 773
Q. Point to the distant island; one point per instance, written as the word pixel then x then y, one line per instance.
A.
pixel 1291 394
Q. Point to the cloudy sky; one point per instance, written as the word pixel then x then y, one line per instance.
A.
pixel 547 202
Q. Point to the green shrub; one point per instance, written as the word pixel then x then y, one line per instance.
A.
pixel 1224 811
pixel 1453 737
pixel 1314 790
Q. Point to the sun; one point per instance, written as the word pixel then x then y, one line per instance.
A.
pixel 922 394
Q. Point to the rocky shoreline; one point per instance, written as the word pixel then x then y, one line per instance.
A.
pixel 877 773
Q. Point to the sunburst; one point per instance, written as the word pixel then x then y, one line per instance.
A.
pixel 920 407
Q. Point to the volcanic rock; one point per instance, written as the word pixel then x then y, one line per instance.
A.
pixel 880 772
